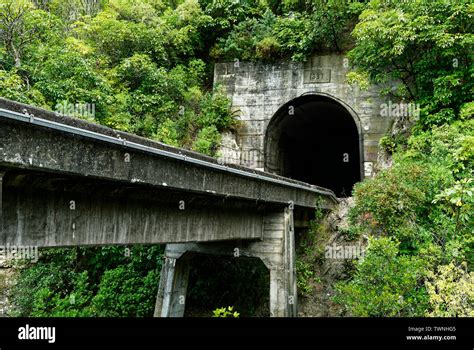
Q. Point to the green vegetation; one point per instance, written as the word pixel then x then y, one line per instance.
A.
pixel 424 204
pixel 450 290
pixel 108 282
pixel 386 283
pixel 291 29
pixel 140 63
pixel 310 254
pixel 225 312
pixel 304 272
pixel 418 212
pixel 146 66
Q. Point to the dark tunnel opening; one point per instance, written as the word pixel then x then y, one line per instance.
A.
pixel 315 139
pixel 221 281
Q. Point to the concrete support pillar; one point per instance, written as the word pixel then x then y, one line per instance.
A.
pixel 283 293
pixel 278 295
pixel 171 297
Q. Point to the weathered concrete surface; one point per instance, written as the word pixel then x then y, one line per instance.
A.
pixel 259 90
pixel 171 298
pixel 30 146
pixel 49 218
pixel 276 250
pixel 125 195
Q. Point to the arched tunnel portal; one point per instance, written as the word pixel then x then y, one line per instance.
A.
pixel 316 139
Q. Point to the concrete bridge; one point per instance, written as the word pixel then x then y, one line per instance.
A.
pixel 66 182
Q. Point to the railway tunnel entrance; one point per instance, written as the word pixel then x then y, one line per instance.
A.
pixel 315 139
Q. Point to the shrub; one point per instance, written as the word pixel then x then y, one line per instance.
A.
pixel 125 292
pixel 459 200
pixel 207 141
pixel 397 201
pixel 304 274
pixel 167 133
pixel 14 88
pixel 451 292
pixel 388 144
pixel 267 48
pixel 385 283
pixel 216 111
pixel 225 312
pixel 108 281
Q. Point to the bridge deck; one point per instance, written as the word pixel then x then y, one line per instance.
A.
pixel 34 138
pixel 39 150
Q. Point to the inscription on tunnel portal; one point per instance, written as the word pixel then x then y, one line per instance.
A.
pixel 317 76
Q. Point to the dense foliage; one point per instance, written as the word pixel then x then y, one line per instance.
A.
pixel 290 30
pixel 108 281
pixel 419 212
pixel 138 62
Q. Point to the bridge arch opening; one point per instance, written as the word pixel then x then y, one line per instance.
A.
pixel 315 138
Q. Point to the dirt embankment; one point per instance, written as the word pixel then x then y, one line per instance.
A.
pixel 327 254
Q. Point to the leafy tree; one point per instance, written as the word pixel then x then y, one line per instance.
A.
pixel 13 87
pixel 294 29
pixel 14 31
pixel 426 46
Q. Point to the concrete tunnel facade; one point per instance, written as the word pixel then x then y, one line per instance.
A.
pixel 303 120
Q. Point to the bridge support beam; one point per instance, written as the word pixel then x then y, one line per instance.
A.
pixel 276 250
